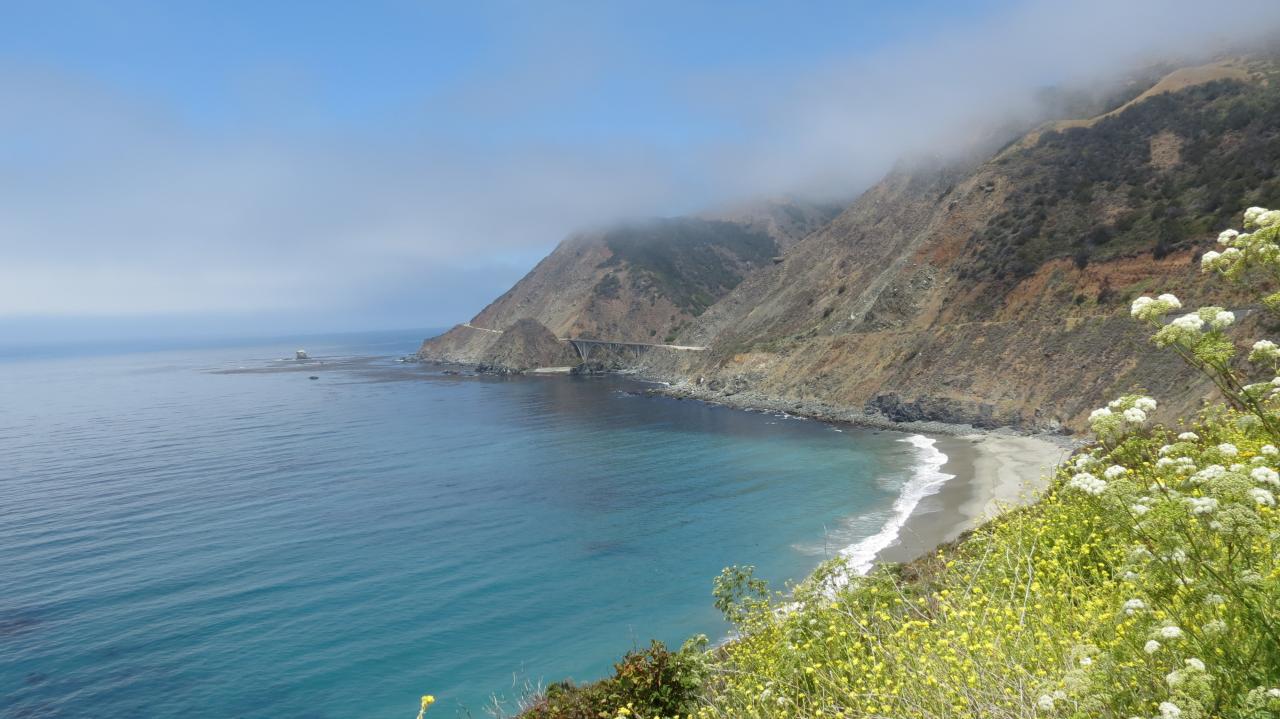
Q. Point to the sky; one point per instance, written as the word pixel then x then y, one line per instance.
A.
pixel 285 167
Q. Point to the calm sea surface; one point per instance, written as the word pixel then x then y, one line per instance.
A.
pixel 209 532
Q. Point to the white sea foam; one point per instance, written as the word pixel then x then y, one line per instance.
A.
pixel 927 478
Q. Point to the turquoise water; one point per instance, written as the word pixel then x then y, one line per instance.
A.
pixel 181 540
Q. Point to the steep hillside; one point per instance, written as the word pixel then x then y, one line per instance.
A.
pixel 527 345
pixel 991 293
pixel 637 282
pixel 992 290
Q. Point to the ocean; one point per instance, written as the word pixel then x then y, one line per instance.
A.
pixel 208 531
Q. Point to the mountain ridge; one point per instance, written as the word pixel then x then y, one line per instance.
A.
pixel 967 291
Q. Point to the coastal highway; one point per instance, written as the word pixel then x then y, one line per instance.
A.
pixel 685 348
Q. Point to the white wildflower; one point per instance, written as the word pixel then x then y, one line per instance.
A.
pixel 1133 606
pixel 1209 259
pixel 1165 462
pixel 1045 703
pixel 1173 678
pixel 1213 471
pixel 1088 484
pixel 1269 449
pixel 1139 509
pixel 1114 471
pixel 1226 236
pixel 1252 214
pixel 1202 505
pixel 1265 475
pixel 1086 662
pixel 1228 449
pixel 1194 664
pixel 1151 647
pixel 1173 303
pixel 1170 632
pixel 1169 710
pixel 1190 322
pixel 1222 319
pixel 1214 600
pixel 1188 437
pixel 1264 351
pixel 1177 556
pixel 1262 497
pixel 1237 467
pixel 1214 627
pixel 1135 415
pixel 1096 415
pixel 1269 218
pixel 1273 693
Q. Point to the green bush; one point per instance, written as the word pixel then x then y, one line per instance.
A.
pixel 649 682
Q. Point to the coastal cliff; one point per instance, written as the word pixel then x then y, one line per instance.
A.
pixel 638 281
pixel 990 291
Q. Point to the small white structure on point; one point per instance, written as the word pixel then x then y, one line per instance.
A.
pixel 300 354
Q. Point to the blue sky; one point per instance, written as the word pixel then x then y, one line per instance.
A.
pixel 322 165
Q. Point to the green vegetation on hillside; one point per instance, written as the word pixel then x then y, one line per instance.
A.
pixel 1164 171
pixel 1146 583
pixel 691 261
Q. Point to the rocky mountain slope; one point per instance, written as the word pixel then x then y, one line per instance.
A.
pixel 993 291
pixel 639 281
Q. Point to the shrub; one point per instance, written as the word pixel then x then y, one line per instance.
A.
pixel 649 682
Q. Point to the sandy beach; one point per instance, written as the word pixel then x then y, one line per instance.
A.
pixel 992 472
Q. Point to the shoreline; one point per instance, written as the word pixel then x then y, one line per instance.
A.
pixel 991 470
pixel 990 474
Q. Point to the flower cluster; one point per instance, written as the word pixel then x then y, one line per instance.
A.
pixel 1122 415
pixel 1244 250
pixel 1151 309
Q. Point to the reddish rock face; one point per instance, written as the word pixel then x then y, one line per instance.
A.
pixel 993 291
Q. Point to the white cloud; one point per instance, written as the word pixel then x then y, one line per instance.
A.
pixel 111 204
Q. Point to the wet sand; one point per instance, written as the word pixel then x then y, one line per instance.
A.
pixel 992 472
